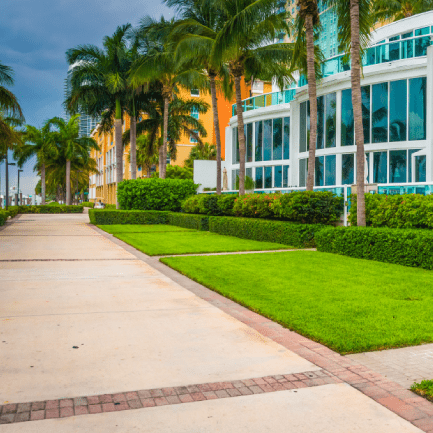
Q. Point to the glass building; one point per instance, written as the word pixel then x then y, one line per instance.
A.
pixel 397 107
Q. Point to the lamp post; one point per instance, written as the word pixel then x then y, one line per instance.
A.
pixel 7 179
pixel 19 197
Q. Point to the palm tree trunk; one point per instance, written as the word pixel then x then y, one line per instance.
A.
pixel 133 148
pixel 119 154
pixel 43 186
pixel 216 126
pixel 68 182
pixel 163 153
pixel 357 110
pixel 312 94
pixel 241 134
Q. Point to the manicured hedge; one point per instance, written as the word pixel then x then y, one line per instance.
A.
pixel 102 216
pixel 3 217
pixel 210 204
pixel 87 204
pixel 190 221
pixel 154 194
pixel 397 211
pixel 282 232
pixel 400 246
pixel 46 209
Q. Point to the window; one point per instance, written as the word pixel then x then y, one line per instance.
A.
pixel 417 108
pixel 319 178
pixel 194 113
pixel 348 169
pixel 330 119
pixel 192 139
pixel 347 121
pixel 320 122
pixel 268 177
pixel 409 162
pixel 267 140
pixel 330 169
pixel 235 146
pixel 195 92
pixel 303 168
pixel 286 138
pixel 259 141
pixel 277 143
pixel 398 166
pixel 420 168
pixel 259 177
pixel 285 176
pixel 380 167
pixel 278 176
pixel 397 110
pixel 380 113
pixel 303 127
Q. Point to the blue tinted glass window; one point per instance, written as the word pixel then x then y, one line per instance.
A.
pixel 235 147
pixel 249 142
pixel 285 176
pixel 319 178
pixel 320 122
pixel 380 113
pixel 398 166
pixel 303 127
pixel 417 108
pixel 398 110
pixel 331 109
pixel 366 112
pixel 277 153
pixel 278 176
pixel 348 169
pixel 330 169
pixel 286 152
pixel 303 168
pixel 268 177
pixel 409 163
pixel 259 177
pixel 267 140
pixel 421 45
pixel 347 124
pixel 423 31
pixel 308 125
pixel 380 167
pixel 420 168
pixel 259 141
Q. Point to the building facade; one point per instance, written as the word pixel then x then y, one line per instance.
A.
pixel 398 117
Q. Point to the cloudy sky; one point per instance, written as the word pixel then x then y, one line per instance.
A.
pixel 34 35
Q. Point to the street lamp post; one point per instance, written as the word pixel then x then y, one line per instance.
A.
pixel 19 197
pixel 7 179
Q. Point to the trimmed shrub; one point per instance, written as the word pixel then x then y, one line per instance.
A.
pixel 210 204
pixel 396 211
pixel 87 204
pixel 189 221
pixel 308 207
pixel 46 209
pixel 399 246
pixel 12 211
pixel 3 217
pixel 255 205
pixel 154 194
pixel 282 232
pixel 103 216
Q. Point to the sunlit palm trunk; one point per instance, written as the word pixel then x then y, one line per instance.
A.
pixel 68 182
pixel 43 186
pixel 241 135
pixel 133 148
pixel 312 94
pixel 163 151
pixel 119 153
pixel 216 126
pixel 357 110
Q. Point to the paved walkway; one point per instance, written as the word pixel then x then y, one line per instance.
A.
pixel 404 366
pixel 92 327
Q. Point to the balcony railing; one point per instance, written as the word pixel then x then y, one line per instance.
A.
pixel 383 53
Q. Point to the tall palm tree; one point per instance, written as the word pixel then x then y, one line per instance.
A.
pixel 195 34
pixel 307 20
pixel 71 145
pixel 245 43
pixel 355 21
pixel 147 153
pixel 394 10
pixel 39 143
pixel 100 82
pixel 158 64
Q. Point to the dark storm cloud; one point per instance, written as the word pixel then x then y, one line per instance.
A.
pixel 34 35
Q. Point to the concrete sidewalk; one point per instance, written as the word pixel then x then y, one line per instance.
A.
pixel 89 328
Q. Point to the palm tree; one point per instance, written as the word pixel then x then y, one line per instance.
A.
pixel 308 19
pixel 245 43
pixel 355 21
pixel 159 65
pixel 71 145
pixel 201 152
pixel 100 82
pixel 394 10
pixel 196 34
pixel 39 143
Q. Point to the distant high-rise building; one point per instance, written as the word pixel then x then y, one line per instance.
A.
pixel 86 123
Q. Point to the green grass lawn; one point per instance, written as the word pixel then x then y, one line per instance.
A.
pixel 145 228
pixel 159 244
pixel 348 304
pixel 424 389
